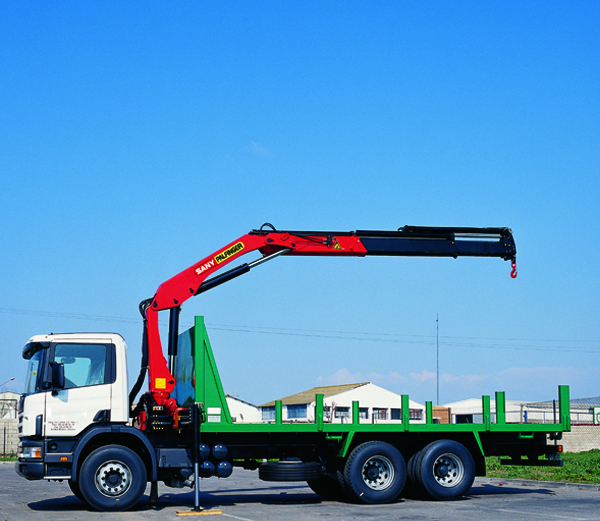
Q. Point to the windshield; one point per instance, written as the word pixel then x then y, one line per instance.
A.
pixel 33 373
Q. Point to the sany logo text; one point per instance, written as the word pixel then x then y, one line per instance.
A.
pixel 206 266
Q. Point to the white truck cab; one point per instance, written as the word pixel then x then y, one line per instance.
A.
pixel 74 381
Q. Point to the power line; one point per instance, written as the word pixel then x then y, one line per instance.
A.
pixel 394 338
pixel 58 314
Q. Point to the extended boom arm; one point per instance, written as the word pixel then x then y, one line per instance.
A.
pixel 407 241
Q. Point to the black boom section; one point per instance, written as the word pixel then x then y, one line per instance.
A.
pixel 440 242
pixel 435 248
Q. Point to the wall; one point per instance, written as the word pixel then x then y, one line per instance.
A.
pixel 9 436
pixel 581 438
pixel 441 414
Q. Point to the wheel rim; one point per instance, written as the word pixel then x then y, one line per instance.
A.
pixel 448 470
pixel 378 473
pixel 113 479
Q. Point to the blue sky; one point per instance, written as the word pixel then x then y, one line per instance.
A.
pixel 138 137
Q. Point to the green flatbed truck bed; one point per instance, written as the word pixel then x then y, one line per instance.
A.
pixel 286 451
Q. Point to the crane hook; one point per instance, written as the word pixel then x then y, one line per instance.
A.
pixel 513 265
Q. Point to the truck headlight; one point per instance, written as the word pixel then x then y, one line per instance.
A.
pixel 30 453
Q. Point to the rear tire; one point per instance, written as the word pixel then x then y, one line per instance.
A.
pixel 410 467
pixel 339 474
pixel 445 470
pixel 112 478
pixel 412 487
pixel 375 472
pixel 327 487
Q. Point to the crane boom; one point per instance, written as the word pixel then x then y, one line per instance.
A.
pixel 422 241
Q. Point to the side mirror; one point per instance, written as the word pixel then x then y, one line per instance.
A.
pixel 58 375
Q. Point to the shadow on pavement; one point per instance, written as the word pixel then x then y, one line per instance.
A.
pixel 186 500
pixel 281 495
pixel 488 490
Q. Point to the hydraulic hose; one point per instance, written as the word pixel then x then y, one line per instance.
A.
pixel 144 305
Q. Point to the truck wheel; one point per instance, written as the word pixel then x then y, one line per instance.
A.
pixel 328 487
pixel 410 467
pixel 112 478
pixel 293 470
pixel 74 486
pixel 411 488
pixel 445 470
pixel 339 474
pixel 375 472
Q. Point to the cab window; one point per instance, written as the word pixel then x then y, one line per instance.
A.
pixel 84 364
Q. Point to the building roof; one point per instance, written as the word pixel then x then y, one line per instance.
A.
pixel 309 396
pixel 9 395
pixel 239 400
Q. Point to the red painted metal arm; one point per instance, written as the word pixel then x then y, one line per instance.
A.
pixel 406 241
pixel 186 284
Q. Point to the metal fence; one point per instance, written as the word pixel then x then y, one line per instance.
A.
pixel 584 411
pixel 585 420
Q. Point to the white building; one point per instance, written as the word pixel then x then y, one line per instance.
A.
pixel 241 411
pixel 471 411
pixel 377 405
pixel 8 405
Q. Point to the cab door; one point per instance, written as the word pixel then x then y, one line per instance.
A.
pixel 89 372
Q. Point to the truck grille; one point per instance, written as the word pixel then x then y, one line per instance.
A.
pixel 20 414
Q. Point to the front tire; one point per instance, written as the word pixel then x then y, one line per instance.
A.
pixel 112 478
pixel 375 472
pixel 445 470
pixel 74 486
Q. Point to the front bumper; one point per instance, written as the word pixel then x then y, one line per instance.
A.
pixel 30 467
pixel 31 470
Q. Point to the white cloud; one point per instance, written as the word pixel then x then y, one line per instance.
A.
pixel 259 149
pixel 342 376
pixel 423 376
pixel 345 376
pixel 519 383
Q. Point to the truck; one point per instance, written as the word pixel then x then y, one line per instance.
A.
pixel 79 422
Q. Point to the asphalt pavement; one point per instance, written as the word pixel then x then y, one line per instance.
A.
pixel 244 497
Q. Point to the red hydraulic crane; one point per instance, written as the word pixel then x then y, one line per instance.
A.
pixel 406 241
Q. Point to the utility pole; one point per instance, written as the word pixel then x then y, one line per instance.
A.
pixel 437 349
